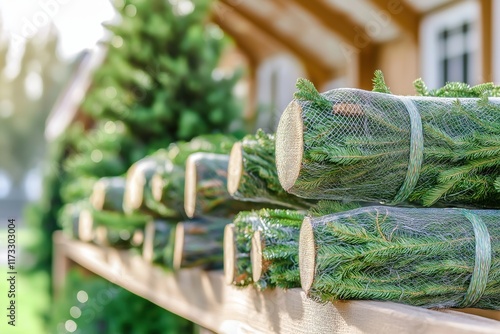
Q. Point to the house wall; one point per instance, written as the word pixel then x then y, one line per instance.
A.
pixel 399 60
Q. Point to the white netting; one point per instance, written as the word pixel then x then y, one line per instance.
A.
pixel 424 257
pixel 366 146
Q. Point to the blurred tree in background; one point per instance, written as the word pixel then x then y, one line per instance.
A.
pixel 26 99
pixel 159 84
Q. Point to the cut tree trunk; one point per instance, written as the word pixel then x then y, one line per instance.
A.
pixel 107 194
pixel 252 174
pixel 199 243
pixel 206 187
pixel 159 242
pixel 354 145
pixel 138 192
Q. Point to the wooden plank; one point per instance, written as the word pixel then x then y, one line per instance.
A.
pixel 254 44
pixel 367 64
pixel 205 299
pixel 318 69
pixel 337 22
pixel 487 40
pixel 402 14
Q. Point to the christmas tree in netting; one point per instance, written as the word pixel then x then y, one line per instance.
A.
pixel 439 148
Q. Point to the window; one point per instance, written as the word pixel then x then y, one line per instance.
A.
pixel 276 79
pixel 450 42
pixel 455 54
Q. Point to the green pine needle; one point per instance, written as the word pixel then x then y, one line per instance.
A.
pixel 379 84
pixel 306 91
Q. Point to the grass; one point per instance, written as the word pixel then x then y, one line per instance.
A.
pixel 32 298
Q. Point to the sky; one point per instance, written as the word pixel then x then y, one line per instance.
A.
pixel 79 26
pixel 78 22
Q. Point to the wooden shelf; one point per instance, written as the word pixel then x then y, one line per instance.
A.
pixel 204 298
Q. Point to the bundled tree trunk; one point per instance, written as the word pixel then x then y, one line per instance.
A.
pixel 167 188
pixel 206 187
pixel 238 243
pixel 168 183
pixel 252 174
pixel 107 194
pixel 85 226
pixel 107 228
pixel 274 226
pixel 364 146
pixel 69 218
pixel 199 243
pixel 274 250
pixel 158 246
pixel 274 246
pixel 139 194
pixel 425 257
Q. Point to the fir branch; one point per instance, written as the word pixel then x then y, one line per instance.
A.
pixel 379 84
pixel 421 87
pixel 307 92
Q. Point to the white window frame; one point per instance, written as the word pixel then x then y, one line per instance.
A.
pixel 434 23
pixel 276 77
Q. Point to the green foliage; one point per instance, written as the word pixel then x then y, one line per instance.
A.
pixel 280 239
pixel 325 207
pixel 259 181
pixel 423 257
pixel 458 89
pixel 379 84
pixel 307 92
pixel 360 151
pixel 160 77
pixel 111 309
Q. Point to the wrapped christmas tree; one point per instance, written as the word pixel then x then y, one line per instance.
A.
pixel 252 174
pixel 261 246
pixel 108 193
pixel 167 184
pixel 205 190
pixel 441 148
pixel 424 257
pixel 199 243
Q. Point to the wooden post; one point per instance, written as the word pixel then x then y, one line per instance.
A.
pixel 487 39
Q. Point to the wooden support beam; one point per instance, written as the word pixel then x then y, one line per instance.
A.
pixel 403 15
pixel 337 22
pixel 487 39
pixel 203 297
pixel 367 64
pixel 318 70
